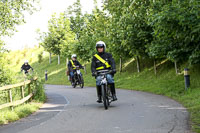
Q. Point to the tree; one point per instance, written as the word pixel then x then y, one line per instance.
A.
pixel 129 27
pixel 92 29
pixel 60 37
pixel 176 30
pixel 76 18
pixel 12 14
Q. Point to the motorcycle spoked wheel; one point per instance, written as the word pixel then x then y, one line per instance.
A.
pixel 74 84
pixel 104 97
pixel 81 81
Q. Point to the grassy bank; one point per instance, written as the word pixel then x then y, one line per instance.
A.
pixel 15 60
pixel 166 82
pixel 7 116
pixel 169 84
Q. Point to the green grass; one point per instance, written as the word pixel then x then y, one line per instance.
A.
pixel 7 116
pixel 169 84
pixel 15 60
pixel 166 82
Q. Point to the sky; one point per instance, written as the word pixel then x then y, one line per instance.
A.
pixel 26 35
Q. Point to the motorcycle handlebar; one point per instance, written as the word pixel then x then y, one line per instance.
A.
pixel 104 72
pixel 77 67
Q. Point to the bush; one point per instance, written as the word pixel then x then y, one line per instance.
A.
pixel 37 87
pixel 39 90
pixel 11 116
pixel 5 76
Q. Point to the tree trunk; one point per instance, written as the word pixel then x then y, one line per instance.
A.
pixel 58 59
pixel 155 68
pixel 138 64
pixel 176 68
pixel 120 65
pixel 85 69
pixel 49 58
pixel 67 60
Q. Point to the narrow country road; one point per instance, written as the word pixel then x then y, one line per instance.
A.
pixel 70 110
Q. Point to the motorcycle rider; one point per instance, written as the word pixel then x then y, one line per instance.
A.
pixel 26 67
pixel 72 64
pixel 103 61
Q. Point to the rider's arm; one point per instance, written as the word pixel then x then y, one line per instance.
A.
pixel 22 68
pixel 112 62
pixel 69 64
pixel 79 64
pixel 31 68
pixel 93 65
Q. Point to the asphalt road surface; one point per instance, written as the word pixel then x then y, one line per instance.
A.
pixel 74 110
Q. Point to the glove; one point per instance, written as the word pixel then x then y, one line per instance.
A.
pixel 94 74
pixel 113 71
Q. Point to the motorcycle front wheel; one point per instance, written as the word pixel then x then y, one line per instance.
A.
pixel 73 84
pixel 104 96
pixel 81 81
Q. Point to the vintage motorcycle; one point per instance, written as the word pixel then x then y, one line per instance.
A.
pixel 78 78
pixel 105 88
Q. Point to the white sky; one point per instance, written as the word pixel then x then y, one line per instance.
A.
pixel 26 35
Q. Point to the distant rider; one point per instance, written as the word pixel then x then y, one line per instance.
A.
pixel 72 64
pixel 26 67
pixel 98 63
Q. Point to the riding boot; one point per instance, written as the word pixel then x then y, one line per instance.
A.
pixel 99 100
pixel 112 87
pixel 72 80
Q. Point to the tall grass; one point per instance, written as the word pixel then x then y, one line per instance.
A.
pixel 7 116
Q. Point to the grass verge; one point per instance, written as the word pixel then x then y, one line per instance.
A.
pixel 7 116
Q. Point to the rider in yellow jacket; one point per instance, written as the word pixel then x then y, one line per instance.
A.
pixel 103 61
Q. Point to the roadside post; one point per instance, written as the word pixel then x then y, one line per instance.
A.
pixel 46 75
pixel 187 78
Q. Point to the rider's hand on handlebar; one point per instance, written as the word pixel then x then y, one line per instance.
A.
pixel 114 71
pixel 94 74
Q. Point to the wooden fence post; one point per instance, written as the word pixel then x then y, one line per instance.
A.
pixel 10 98
pixel 22 89
pixel 29 91
pixel 22 86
